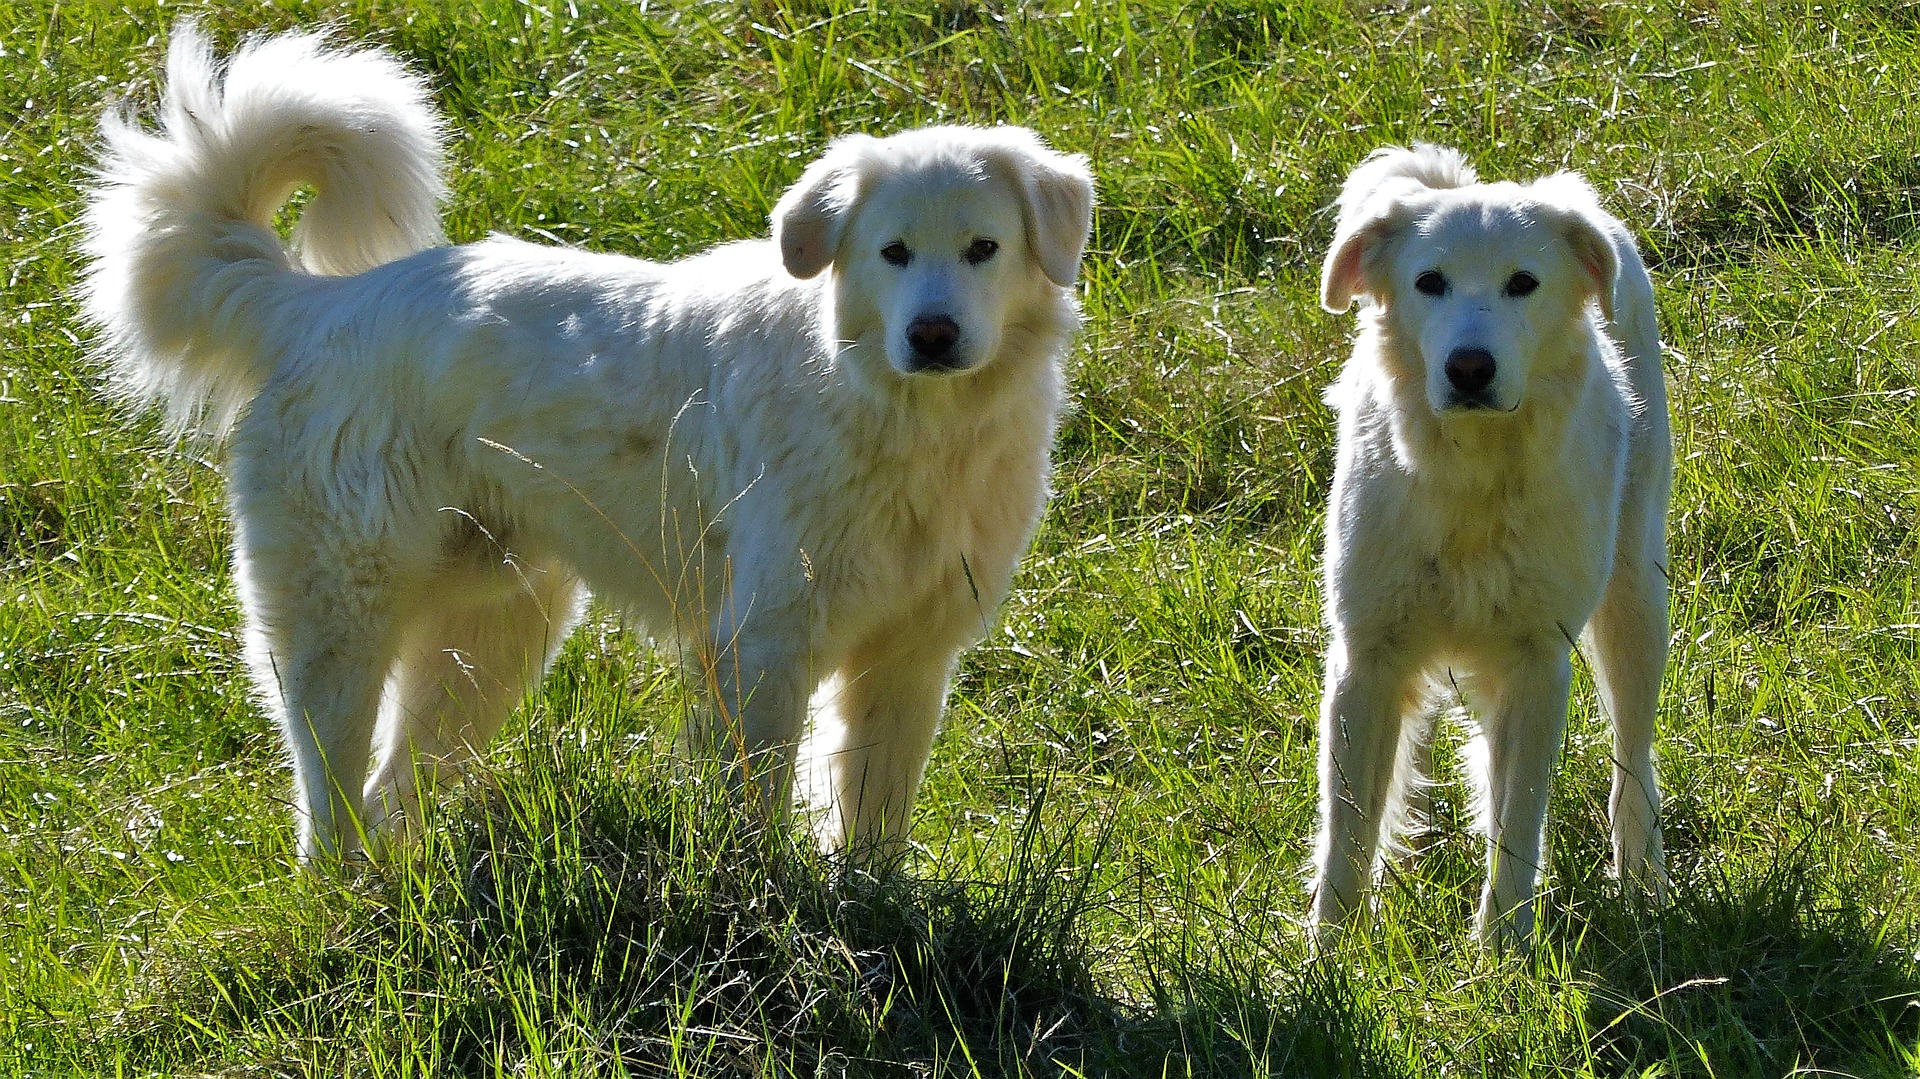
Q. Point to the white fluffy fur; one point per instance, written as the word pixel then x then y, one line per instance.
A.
pixel 1474 533
pixel 434 450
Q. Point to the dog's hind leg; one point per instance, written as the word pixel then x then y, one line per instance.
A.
pixel 1366 702
pixel 462 668
pixel 1626 641
pixel 320 643
pixel 1522 736
pixel 1407 818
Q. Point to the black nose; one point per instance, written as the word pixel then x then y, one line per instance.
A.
pixel 932 336
pixel 1470 369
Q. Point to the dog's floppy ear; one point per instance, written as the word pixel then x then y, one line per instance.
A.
pixel 1573 207
pixel 1372 205
pixel 1593 251
pixel 1056 193
pixel 807 220
pixel 1344 275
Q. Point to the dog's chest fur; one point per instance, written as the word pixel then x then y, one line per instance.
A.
pixel 940 502
pixel 1511 550
pixel 1496 527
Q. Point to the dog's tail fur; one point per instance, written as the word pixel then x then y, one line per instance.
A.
pixel 1399 169
pixel 186 268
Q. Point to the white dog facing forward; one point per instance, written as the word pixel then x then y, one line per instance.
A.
pixel 810 464
pixel 1501 488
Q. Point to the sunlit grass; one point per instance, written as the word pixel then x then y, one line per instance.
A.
pixel 1110 848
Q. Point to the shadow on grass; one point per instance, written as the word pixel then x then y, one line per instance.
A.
pixel 1774 973
pixel 566 922
pixel 645 927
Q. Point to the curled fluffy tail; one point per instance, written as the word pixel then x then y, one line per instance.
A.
pixel 187 272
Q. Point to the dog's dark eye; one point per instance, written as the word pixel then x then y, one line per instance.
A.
pixel 1522 283
pixel 1431 283
pixel 980 251
pixel 896 253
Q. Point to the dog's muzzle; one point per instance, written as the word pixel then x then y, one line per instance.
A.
pixel 931 344
pixel 1470 372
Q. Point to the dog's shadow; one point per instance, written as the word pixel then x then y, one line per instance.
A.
pixel 1770 971
pixel 1750 967
pixel 645 915
pixel 647 919
pixel 854 973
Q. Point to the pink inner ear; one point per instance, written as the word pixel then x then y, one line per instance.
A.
pixel 1341 281
pixel 1595 264
pixel 1595 254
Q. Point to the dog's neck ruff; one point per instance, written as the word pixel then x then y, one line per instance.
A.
pixel 1469 448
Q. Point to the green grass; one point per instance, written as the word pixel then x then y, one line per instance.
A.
pixel 1111 843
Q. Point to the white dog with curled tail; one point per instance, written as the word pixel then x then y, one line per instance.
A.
pixel 1501 489
pixel 810 464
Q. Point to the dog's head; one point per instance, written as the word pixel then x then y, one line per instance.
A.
pixel 938 238
pixel 1477 282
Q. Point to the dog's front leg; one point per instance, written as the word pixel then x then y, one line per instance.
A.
pixel 1361 714
pixel 887 710
pixel 756 685
pixel 1522 742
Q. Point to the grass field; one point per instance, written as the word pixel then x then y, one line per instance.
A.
pixel 1109 852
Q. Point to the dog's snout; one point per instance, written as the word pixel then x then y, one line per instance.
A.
pixel 932 336
pixel 1470 370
